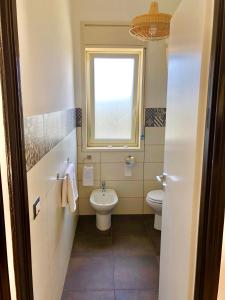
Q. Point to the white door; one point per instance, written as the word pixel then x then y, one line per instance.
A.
pixel 188 62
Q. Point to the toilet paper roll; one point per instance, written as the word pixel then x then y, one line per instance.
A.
pixel 88 176
pixel 128 170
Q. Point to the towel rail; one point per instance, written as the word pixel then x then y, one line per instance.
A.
pixel 58 176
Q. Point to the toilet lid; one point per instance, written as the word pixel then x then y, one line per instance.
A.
pixel 156 196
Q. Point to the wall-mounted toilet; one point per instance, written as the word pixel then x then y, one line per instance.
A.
pixel 103 201
pixel 155 199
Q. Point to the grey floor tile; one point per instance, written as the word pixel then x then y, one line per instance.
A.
pixel 136 272
pixel 92 246
pixel 128 225
pixel 87 227
pixel 149 221
pixel 124 258
pixel 136 295
pixel 89 273
pixel 132 244
pixel 89 295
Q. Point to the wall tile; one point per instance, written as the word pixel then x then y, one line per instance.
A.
pixel 150 185
pixel 155 117
pixel 147 209
pixel 129 206
pixel 154 135
pixel 79 136
pixel 82 156
pixel 78 113
pixel 44 132
pixel 109 166
pixel 131 189
pixel 53 130
pixel 85 207
pixel 120 156
pixel 85 191
pixel 34 140
pixel 96 171
pixel 154 153
pixel 115 171
pixel 151 170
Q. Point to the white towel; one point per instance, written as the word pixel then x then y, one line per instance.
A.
pixel 88 176
pixel 69 188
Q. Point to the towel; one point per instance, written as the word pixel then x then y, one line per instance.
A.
pixel 88 176
pixel 69 188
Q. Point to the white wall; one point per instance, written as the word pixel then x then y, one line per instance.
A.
pixel 46 55
pixel 53 230
pixel 46 61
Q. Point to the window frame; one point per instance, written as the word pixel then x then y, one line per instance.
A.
pixel 138 55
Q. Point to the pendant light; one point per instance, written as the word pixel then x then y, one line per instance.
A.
pixel 152 26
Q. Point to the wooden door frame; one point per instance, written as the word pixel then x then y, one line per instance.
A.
pixel 15 149
pixel 213 192
pixel 4 278
pixel 212 204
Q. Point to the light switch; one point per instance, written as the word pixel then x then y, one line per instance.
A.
pixel 37 207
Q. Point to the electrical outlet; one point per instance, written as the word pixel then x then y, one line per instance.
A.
pixel 37 207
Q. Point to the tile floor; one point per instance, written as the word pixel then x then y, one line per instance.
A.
pixel 121 264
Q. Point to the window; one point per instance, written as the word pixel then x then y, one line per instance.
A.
pixel 114 90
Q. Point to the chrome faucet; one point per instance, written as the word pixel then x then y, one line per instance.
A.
pixel 103 186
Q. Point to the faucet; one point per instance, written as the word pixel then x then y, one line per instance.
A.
pixel 103 186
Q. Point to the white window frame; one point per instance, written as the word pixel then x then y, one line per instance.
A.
pixel 134 142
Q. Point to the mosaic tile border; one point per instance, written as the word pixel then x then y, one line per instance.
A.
pixel 44 132
pixel 155 117
pixel 78 117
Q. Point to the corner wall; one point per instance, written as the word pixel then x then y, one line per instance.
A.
pixel 46 62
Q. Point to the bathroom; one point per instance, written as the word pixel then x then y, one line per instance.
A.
pixel 96 248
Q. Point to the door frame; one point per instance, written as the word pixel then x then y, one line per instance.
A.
pixel 212 194
pixel 212 205
pixel 4 278
pixel 15 149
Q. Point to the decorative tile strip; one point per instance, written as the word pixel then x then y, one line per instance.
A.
pixel 44 132
pixel 78 117
pixel 34 140
pixel 155 117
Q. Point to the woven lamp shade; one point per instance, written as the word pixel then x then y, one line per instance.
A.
pixel 151 26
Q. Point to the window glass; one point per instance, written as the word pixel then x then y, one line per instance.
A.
pixel 114 91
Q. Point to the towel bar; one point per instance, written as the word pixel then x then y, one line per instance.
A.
pixel 57 175
pixel 68 161
pixel 60 178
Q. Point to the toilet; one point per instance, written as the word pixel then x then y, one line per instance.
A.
pixel 103 201
pixel 155 199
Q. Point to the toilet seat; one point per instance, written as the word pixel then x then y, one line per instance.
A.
pixel 155 196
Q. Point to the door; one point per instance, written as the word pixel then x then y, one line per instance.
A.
pixel 188 65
